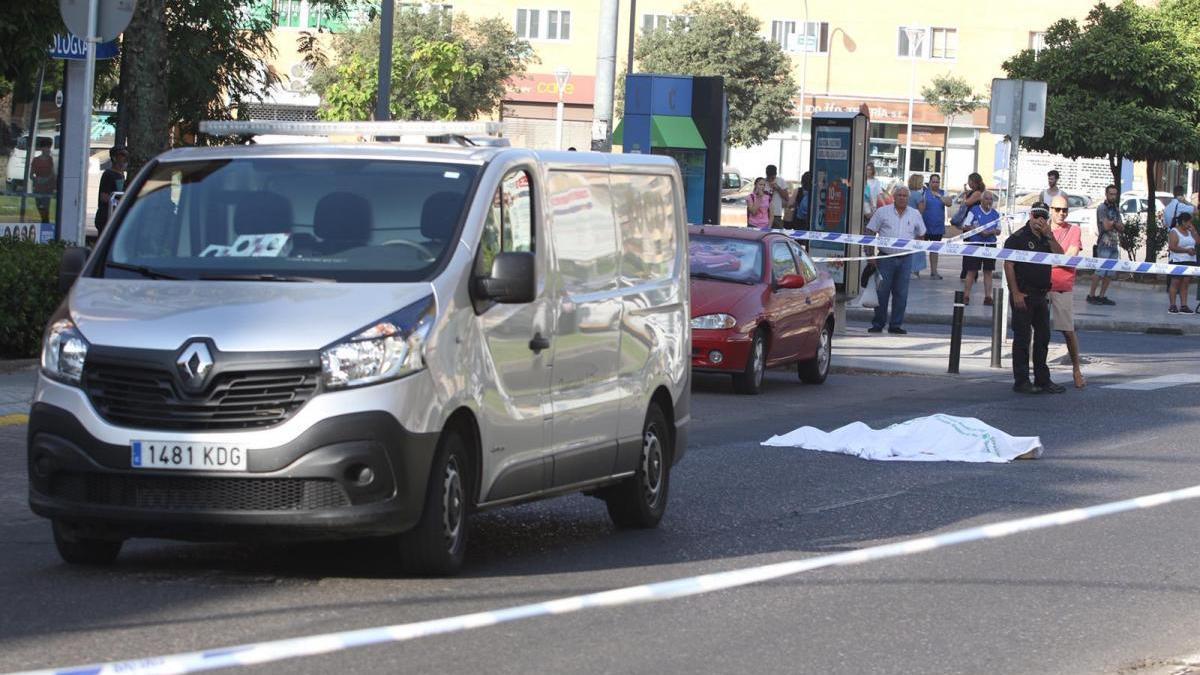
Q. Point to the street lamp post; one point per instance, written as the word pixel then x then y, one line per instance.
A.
pixel 803 81
pixel 561 76
pixel 915 37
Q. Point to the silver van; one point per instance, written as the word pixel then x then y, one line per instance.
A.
pixel 336 341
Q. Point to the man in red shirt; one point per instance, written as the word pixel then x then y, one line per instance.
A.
pixel 1062 283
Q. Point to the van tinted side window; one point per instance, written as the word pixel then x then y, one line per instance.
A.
pixel 509 224
pixel 646 220
pixel 584 230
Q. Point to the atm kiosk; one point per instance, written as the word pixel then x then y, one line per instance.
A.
pixel 838 171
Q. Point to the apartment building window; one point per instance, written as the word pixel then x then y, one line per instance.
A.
pixel 538 24
pixel 910 49
pixel 653 22
pixel 797 36
pixel 1037 41
pixel 558 25
pixel 944 43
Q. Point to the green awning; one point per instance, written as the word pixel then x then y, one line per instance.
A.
pixel 667 132
pixel 675 132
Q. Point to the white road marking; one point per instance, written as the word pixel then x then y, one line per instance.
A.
pixel 1160 382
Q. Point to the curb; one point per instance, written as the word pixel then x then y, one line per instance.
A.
pixel 1081 323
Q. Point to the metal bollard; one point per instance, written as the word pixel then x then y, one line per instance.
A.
pixel 956 331
pixel 997 325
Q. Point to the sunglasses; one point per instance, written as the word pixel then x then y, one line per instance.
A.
pixel 1060 209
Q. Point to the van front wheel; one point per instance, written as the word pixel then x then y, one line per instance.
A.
pixel 438 544
pixel 641 501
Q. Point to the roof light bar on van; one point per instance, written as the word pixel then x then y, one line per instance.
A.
pixel 275 127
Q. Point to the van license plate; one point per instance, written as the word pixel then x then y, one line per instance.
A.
pixel 187 456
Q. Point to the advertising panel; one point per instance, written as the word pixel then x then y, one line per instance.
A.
pixel 831 186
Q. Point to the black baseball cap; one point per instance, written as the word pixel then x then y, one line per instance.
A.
pixel 1039 210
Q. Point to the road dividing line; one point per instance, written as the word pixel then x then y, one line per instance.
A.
pixel 1160 382
pixel 278 650
pixel 13 420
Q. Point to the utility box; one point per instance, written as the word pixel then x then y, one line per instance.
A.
pixel 683 118
pixel 838 170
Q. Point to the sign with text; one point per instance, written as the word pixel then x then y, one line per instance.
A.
pixel 72 47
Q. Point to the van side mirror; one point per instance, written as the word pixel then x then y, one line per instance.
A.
pixel 791 281
pixel 513 279
pixel 70 267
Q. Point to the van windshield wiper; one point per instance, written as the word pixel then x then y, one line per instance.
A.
pixel 142 270
pixel 713 277
pixel 264 277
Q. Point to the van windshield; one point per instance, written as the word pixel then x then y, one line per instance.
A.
pixel 292 219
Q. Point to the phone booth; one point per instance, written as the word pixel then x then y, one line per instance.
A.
pixel 682 117
pixel 838 170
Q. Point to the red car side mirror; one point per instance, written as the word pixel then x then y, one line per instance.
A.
pixel 791 281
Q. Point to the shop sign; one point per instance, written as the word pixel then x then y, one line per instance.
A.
pixel 543 88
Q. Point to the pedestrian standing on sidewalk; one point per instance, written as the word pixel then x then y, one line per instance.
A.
pixel 872 190
pixel 898 221
pixel 1177 206
pixel 916 200
pixel 984 221
pixel 111 181
pixel 934 215
pixel 1028 284
pixel 777 188
pixel 803 199
pixel 1108 244
pixel 1181 247
pixel 1052 190
pixel 1062 284
pixel 758 206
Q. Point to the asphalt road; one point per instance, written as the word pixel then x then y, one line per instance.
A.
pixel 1096 597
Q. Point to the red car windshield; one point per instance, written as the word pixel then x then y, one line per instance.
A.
pixel 735 260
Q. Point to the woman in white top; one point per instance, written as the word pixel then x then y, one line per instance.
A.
pixel 1181 244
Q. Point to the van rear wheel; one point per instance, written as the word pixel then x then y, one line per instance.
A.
pixel 438 544
pixel 81 550
pixel 641 501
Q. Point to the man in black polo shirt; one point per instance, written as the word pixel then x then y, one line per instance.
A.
pixel 1028 284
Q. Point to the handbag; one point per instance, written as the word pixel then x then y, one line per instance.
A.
pixel 960 216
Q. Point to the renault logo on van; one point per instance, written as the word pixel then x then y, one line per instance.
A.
pixel 194 364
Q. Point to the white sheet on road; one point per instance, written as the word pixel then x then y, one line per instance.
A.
pixel 937 438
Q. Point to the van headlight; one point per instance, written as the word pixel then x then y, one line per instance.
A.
pixel 386 350
pixel 64 352
pixel 714 322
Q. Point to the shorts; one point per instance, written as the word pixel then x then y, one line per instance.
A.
pixel 934 237
pixel 972 264
pixel 1109 253
pixel 1062 310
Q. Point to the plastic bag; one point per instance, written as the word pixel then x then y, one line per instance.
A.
pixel 869 295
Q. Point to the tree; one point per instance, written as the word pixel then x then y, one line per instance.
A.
pixel 721 38
pixel 952 95
pixel 442 68
pixel 1124 84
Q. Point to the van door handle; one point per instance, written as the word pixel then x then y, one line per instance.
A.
pixel 538 343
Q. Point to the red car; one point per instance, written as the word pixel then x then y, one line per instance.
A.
pixel 758 301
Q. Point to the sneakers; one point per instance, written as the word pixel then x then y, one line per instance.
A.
pixel 1185 310
pixel 873 329
pixel 1101 300
pixel 1173 310
pixel 1026 387
pixel 897 331
pixel 935 277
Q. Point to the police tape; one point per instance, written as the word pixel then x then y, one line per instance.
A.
pixel 278 650
pixel 1001 254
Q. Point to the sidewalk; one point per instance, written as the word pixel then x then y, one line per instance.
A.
pixel 928 353
pixel 1140 308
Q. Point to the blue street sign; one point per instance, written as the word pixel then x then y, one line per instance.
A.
pixel 71 47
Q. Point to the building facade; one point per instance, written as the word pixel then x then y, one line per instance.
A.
pixel 841 54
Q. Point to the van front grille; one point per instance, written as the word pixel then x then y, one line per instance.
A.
pixel 150 398
pixel 197 493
